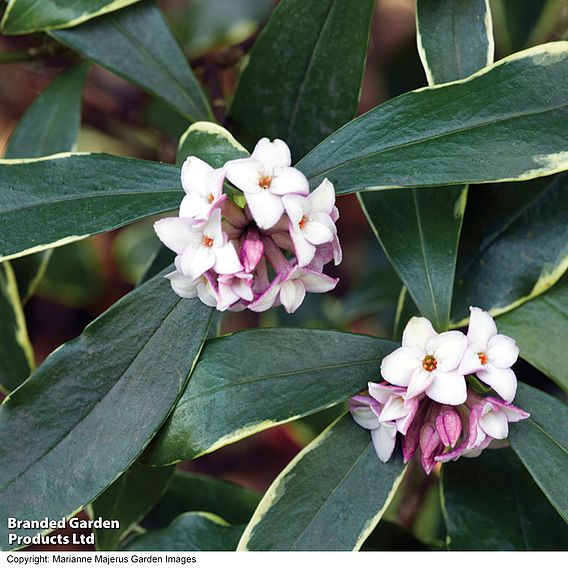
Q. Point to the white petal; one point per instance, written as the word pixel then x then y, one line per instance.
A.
pixel 502 381
pixel 227 260
pixel 470 362
pixel 363 413
pixel 420 380
pixel 266 208
pixel 448 388
pixel 183 286
pixel 317 282
pixel 448 348
pixel 296 207
pixel 177 234
pixel 272 154
pixel 323 197
pixel 289 180
pixel 397 367
pixel 292 295
pixel 337 252
pixel 243 289
pixel 393 409
pixel 481 328
pixel 194 206
pixel 317 230
pixel 502 351
pixel 384 440
pixel 417 333
pixel 227 297
pixel 267 299
pixel 194 174
pixel 382 392
pixel 213 229
pixel 494 423
pixel 304 250
pixel 245 174
pixel 197 260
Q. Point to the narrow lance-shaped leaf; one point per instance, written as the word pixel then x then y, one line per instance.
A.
pixel 302 79
pixel 254 380
pixel 53 201
pixel 419 229
pixel 491 503
pixel 540 328
pixel 512 128
pixel 136 43
pixel 93 405
pixel 541 443
pixel 335 490
pixel 28 16
pixel 515 246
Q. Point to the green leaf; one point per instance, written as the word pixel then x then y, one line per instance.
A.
pixel 137 44
pixel 390 536
pixel 29 271
pixel 95 403
pixel 128 500
pixel 515 246
pixel 540 327
pixel 455 39
pixel 419 229
pixel 254 380
pixel 303 76
pixel 329 497
pixel 197 492
pixel 28 16
pixel 513 128
pixel 47 202
pixel 16 354
pixel 541 443
pixel 491 503
pixel 190 532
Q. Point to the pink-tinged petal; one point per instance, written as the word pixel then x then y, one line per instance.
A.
pixel 397 367
pixel 206 292
pixel 269 297
pixel 289 180
pixel 196 260
pixel 334 214
pixel 182 285
pixel 502 351
pixel 194 174
pixel 430 446
pixel 384 440
pixel 323 255
pixel 381 392
pixel 476 452
pixel 448 388
pixel 513 413
pixel 476 435
pixel 304 250
pixel 337 252
pixel 177 234
pixel 394 409
pixel 449 426
pixel 226 259
pixel 234 214
pixel 420 380
pixel 448 348
pixel 252 250
pixel 292 295
pixel 417 333
pixel 494 422
pixel 243 288
pixel 452 455
pixel 227 296
pixel 481 328
pixel 319 229
pixel 502 381
pixel 323 197
pixel 471 363
pixel 245 173
pixel 283 240
pixel 274 154
pixel 405 422
pixel 411 439
pixel 275 256
pixel 317 282
pixel 266 208
pixel 364 412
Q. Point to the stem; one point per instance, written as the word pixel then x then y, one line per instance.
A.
pixel 46 50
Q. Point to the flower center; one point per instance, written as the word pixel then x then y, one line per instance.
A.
pixel 265 181
pixel 429 363
pixel 482 358
pixel 210 198
pixel 303 222
pixel 207 242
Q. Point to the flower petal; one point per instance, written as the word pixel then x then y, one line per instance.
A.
pixel 481 328
pixel 502 381
pixel 448 348
pixel 470 362
pixel 177 234
pixel 274 154
pixel 289 180
pixel 394 409
pixel 245 173
pixel 494 423
pixel 384 440
pixel 292 295
pixel 183 286
pixel 296 207
pixel 502 351
pixel 194 174
pixel 398 367
pixel 227 260
pixel 319 229
pixel 317 282
pixel 196 260
pixel 323 197
pixel 417 333
pixel 266 208
pixel 381 392
pixel 268 298
pixel 448 388
pixel 304 250
pixel 420 380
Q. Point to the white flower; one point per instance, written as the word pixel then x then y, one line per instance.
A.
pixel 186 287
pixel 366 412
pixel 200 246
pixel 396 408
pixel 310 220
pixel 264 178
pixel 428 362
pixel 490 355
pixel 233 288
pixel 203 186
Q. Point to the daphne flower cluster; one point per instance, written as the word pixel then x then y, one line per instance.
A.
pixel 425 395
pixel 256 248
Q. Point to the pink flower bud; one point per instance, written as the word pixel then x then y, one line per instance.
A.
pixel 430 446
pixel 448 426
pixel 252 250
